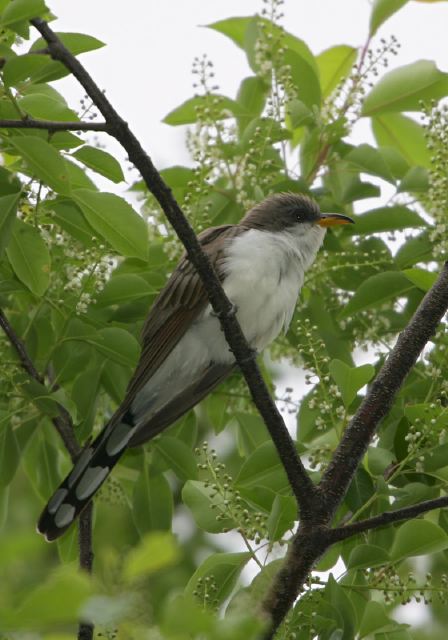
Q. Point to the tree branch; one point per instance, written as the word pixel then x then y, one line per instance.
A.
pixel 314 537
pixel 64 427
pixel 341 533
pixel 62 422
pixel 381 394
pixel 53 125
pixel 301 484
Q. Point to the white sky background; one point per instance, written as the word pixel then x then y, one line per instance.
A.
pixel 146 66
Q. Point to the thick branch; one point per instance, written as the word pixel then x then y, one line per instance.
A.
pixel 381 394
pixel 53 125
pixel 302 555
pixel 301 484
pixel 341 533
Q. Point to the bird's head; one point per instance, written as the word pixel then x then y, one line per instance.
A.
pixel 292 212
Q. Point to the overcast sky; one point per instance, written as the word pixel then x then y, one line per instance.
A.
pixel 146 65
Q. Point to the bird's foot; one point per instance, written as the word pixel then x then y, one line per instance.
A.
pixel 225 314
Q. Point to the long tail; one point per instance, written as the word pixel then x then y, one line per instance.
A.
pixel 90 471
pixel 99 458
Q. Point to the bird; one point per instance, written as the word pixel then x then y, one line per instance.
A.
pixel 261 263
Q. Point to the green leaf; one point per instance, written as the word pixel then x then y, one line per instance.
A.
pixel 350 379
pixel 304 78
pixel 367 555
pixel 421 278
pixel 205 505
pixel 252 432
pixel 44 161
pixel 282 517
pixel 252 98
pixel 221 107
pixel 18 10
pixel 392 218
pixel 78 176
pixel 263 469
pixel 124 288
pixel 69 217
pixel 8 208
pixel 374 619
pixel 403 134
pixel 404 88
pixel 115 344
pixel 223 569
pixel 233 28
pixel 334 65
pixel 152 504
pixel 416 180
pixel 414 250
pixel 9 451
pixel 375 290
pixel 44 107
pixel 244 32
pixel 155 551
pixel 29 257
pixel 115 220
pixel 381 11
pixel 369 160
pixel 57 601
pixel 360 490
pixel 76 43
pixel 417 538
pixel 101 162
pixel 21 68
pixel 378 460
pixel 178 456
pixel 41 465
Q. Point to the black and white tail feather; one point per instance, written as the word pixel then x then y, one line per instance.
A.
pixel 99 458
pixel 88 474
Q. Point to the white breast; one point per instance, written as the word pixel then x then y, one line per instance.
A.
pixel 264 272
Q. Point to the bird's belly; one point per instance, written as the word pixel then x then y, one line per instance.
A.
pixel 265 304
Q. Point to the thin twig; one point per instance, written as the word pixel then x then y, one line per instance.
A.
pixel 64 427
pixel 63 422
pixel 301 484
pixel 53 125
pixel 341 533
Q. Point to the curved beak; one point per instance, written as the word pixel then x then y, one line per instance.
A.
pixel 332 219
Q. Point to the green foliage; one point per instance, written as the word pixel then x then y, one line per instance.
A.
pixel 80 268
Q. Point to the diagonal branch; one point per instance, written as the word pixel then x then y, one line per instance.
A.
pixel 381 394
pixel 313 538
pixel 414 510
pixel 302 486
pixel 53 125
pixel 62 422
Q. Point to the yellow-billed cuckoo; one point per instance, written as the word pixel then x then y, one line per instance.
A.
pixel 261 263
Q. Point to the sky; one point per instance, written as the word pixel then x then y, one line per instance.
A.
pixel 146 66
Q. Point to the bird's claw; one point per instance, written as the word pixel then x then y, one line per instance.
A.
pixel 225 314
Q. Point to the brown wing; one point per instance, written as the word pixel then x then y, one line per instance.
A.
pixel 176 307
pixel 180 404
